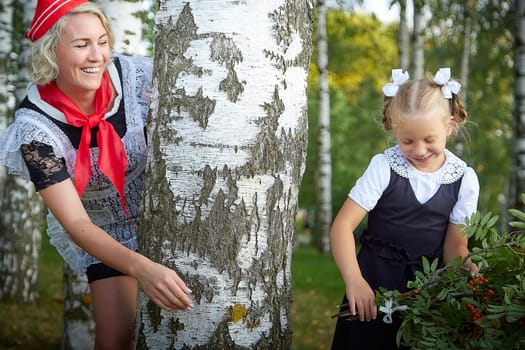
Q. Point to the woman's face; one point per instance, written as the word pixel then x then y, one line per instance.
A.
pixel 82 54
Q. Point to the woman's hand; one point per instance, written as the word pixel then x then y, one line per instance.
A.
pixel 164 287
pixel 361 299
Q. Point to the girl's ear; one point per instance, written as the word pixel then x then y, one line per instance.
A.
pixel 450 125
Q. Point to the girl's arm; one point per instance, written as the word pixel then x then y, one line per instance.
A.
pixel 456 244
pixel 361 297
pixel 160 283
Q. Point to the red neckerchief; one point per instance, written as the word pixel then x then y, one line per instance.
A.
pixel 112 159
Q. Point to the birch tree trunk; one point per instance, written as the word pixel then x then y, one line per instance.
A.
pixel 227 151
pixel 21 215
pixel 517 183
pixel 324 190
pixel 468 7
pixel 6 96
pixel 419 57
pixel 404 42
pixel 78 326
pixel 127 26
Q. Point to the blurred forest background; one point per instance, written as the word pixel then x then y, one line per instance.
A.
pixel 362 51
pixel 475 38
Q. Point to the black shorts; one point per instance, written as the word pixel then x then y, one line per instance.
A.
pixel 100 271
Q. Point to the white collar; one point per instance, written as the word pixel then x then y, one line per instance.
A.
pixel 450 172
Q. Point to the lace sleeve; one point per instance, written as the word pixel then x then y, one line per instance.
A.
pixel 45 168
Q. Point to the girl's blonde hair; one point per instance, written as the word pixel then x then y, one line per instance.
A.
pixel 421 95
pixel 42 67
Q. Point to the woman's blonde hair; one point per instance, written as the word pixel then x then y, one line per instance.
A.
pixel 42 67
pixel 421 95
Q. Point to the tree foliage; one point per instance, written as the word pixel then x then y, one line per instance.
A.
pixel 362 52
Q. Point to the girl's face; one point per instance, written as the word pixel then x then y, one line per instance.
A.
pixel 82 54
pixel 422 138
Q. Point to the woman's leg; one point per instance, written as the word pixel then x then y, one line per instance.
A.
pixel 114 307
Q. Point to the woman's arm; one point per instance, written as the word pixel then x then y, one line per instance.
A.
pixel 160 283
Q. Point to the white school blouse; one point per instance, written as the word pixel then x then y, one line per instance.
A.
pixel 370 186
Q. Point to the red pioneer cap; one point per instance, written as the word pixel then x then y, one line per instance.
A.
pixel 47 13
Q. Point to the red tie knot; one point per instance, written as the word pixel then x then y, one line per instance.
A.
pixel 93 120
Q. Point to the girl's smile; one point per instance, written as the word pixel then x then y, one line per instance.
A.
pixel 422 138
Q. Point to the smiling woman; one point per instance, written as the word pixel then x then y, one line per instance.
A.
pixel 79 136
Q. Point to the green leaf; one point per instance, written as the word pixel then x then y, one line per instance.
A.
pixel 426 265
pixel 517 214
pixel 493 221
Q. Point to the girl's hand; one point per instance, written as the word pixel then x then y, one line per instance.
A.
pixel 472 268
pixel 361 299
pixel 165 288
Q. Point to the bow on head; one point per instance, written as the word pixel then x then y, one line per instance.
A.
pixel 448 87
pixel 398 77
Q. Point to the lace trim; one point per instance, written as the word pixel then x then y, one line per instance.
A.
pixel 451 171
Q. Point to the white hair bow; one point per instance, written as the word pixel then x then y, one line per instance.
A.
pixel 448 87
pixel 398 77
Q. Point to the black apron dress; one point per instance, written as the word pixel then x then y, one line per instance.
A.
pixel 399 232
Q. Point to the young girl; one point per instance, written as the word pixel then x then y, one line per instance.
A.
pixel 416 195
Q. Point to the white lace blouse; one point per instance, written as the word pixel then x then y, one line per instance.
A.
pixel 370 186
pixel 100 198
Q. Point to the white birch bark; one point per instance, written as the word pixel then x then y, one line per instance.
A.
pixel 21 208
pixel 468 7
pixel 324 190
pixel 20 225
pixel 517 187
pixel 78 326
pixel 404 42
pixel 227 150
pixel 6 96
pixel 127 25
pixel 419 57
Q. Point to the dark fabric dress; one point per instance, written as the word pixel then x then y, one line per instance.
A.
pixel 400 231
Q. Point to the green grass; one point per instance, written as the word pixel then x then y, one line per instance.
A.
pixel 38 325
pixel 317 288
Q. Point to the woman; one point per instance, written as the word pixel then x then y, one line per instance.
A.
pixel 79 136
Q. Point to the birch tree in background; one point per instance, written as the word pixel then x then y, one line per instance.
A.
pixel 227 152
pixel 404 36
pixel 21 214
pixel 6 96
pixel 126 23
pixel 78 326
pixel 324 185
pixel 418 49
pixel 517 176
pixel 468 7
